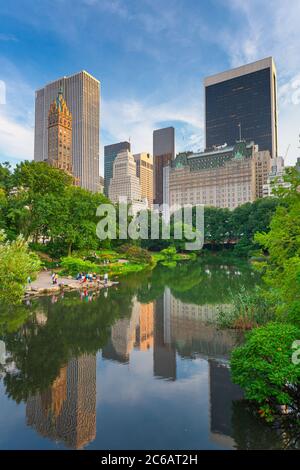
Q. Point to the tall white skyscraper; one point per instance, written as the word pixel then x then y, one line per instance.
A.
pixel 82 94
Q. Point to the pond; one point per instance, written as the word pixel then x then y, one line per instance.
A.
pixel 137 366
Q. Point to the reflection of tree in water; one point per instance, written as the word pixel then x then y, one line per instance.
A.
pixel 196 283
pixel 12 317
pixel 58 332
pixel 251 432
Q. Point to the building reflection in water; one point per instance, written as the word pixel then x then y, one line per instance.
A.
pixel 222 395
pixel 185 329
pixel 66 412
pixel 129 333
pixel 164 354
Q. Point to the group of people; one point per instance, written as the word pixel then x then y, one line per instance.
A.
pixel 90 277
pixel 86 277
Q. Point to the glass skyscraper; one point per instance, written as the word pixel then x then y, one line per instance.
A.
pixel 242 104
pixel 163 154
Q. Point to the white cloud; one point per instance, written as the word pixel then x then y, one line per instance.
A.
pixel 137 120
pixel 269 29
pixel 16 140
pixel 252 30
pixel 16 115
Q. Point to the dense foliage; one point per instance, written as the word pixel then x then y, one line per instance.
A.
pixel 40 202
pixel 263 367
pixel 16 265
pixel 282 243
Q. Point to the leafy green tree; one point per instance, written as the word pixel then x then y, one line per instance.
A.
pixel 282 245
pixel 3 205
pixel 250 218
pixel 40 178
pixel 5 176
pixel 217 225
pixel 79 218
pixel 16 264
pixel 263 367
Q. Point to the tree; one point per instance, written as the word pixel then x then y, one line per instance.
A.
pixel 40 178
pixel 282 244
pixel 216 225
pixel 263 367
pixel 16 264
pixel 250 218
pixel 5 176
pixel 79 218
pixel 3 204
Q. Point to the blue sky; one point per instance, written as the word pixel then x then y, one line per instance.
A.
pixel 150 57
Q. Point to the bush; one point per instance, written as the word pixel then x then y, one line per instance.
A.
pixel 169 253
pixel 135 253
pixel 74 266
pixel 17 263
pixel 249 309
pixel 263 367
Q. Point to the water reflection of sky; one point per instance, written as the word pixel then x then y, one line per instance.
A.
pixel 159 382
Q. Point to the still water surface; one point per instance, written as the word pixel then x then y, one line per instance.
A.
pixel 139 366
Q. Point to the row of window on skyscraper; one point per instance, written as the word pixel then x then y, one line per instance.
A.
pixel 240 134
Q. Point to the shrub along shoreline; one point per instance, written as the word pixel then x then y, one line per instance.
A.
pixel 267 365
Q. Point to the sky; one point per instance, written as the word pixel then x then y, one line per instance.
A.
pixel 150 56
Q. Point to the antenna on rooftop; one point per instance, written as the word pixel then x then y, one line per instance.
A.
pixel 240 131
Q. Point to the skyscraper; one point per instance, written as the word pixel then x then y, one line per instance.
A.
pixel 110 153
pixel 124 183
pixel 242 104
pixel 82 94
pixel 163 153
pixel 60 134
pixel 66 411
pixel 144 171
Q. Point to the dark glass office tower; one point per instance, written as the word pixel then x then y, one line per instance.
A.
pixel 110 153
pixel 163 153
pixel 242 103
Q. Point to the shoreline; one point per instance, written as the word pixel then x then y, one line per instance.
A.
pixel 43 285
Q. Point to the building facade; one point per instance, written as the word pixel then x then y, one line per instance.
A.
pixel 110 154
pixel 82 93
pixel 242 104
pixel 226 177
pixel 60 135
pixel 125 185
pixel 275 178
pixel 163 154
pixel 144 171
pixel 101 184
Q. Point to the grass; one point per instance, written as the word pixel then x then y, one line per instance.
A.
pixel 249 310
